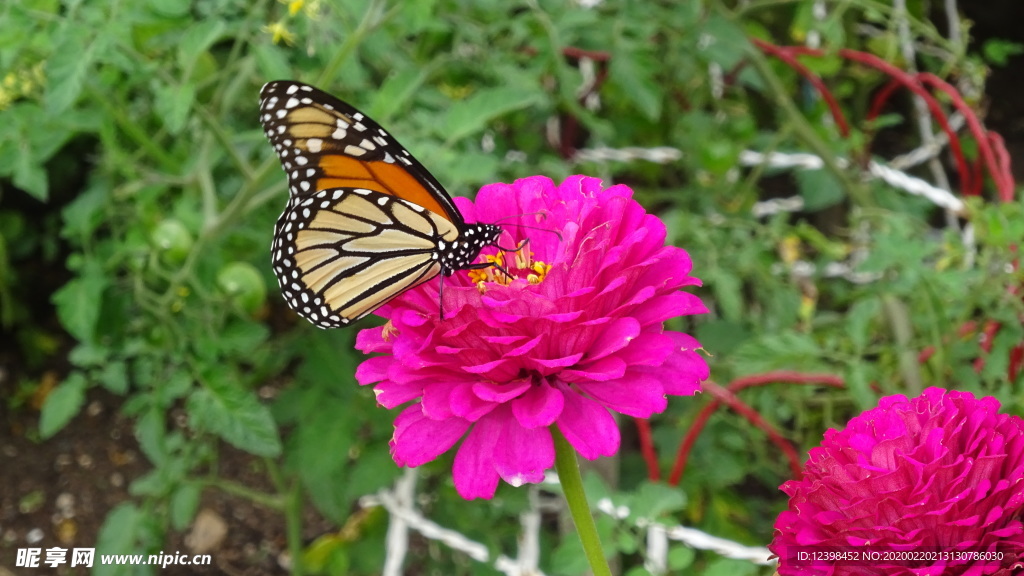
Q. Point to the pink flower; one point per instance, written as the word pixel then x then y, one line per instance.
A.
pixel 941 472
pixel 579 333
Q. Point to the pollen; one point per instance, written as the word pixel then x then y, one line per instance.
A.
pixel 389 331
pixel 540 270
pixel 505 271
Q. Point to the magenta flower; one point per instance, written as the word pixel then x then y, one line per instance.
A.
pixel 942 472
pixel 577 334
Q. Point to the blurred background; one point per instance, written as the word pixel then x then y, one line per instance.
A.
pixel 841 172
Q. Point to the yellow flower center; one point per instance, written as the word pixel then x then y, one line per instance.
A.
pixel 522 266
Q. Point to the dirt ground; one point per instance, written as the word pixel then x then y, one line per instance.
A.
pixel 58 492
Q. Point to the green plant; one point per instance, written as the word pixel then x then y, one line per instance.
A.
pixel 142 140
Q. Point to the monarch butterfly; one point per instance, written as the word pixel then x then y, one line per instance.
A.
pixel 365 221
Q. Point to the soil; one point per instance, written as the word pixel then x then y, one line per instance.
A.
pixel 58 492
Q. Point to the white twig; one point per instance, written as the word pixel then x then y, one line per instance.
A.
pixel 398 530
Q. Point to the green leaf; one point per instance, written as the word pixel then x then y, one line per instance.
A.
pixel 183 505
pixel 78 302
pixel 654 499
pixel 474 113
pixel 196 40
pixel 83 215
pixel 730 567
pixel 998 51
pixel 30 176
pixel 170 8
pixel 396 92
pixel 173 104
pixel 633 75
pixel 779 351
pixel 723 42
pixel 242 337
pixel 221 406
pixel 819 188
pixel 728 293
pixel 72 60
pixel 114 377
pixel 151 431
pixel 858 322
pixel 272 62
pixel 680 558
pixel 62 404
pixel 118 535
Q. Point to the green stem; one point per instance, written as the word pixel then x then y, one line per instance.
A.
pixel 291 491
pixel 803 130
pixel 572 486
pixel 902 329
pixel 271 501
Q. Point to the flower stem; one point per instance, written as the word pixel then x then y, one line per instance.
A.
pixel 572 486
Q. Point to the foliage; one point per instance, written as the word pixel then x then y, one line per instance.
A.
pixel 133 157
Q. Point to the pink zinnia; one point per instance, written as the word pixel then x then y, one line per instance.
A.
pixel 941 472
pixel 579 333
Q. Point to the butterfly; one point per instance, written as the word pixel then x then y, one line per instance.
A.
pixel 365 221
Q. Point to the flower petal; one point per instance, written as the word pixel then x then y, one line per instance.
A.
pixel 588 427
pixel 473 470
pixel 637 394
pixel 540 406
pixel 418 439
pixel 522 454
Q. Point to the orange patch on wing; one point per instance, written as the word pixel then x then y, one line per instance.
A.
pixel 337 166
pixel 405 186
pixel 326 183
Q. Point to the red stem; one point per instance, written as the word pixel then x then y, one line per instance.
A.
pixel 643 429
pixel 1004 185
pixel 728 396
pixel 993 152
pixel 909 82
pixel 833 105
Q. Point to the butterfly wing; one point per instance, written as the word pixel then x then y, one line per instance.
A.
pixel 324 143
pixel 342 253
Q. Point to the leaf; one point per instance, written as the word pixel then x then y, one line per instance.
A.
pixel 30 176
pixel 114 377
pixel 173 104
pixel 779 351
pixel 654 499
pixel 221 406
pixel 632 74
pixel 723 42
pixel 150 431
pixel 474 113
pixel 396 93
pixel 78 302
pixel 170 8
pixel 858 322
pixel 66 69
pixel 242 337
pixel 62 404
pixel 271 61
pixel 83 215
pixel 183 505
pixel 728 294
pixel 118 536
pixel 819 189
pixel 196 40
